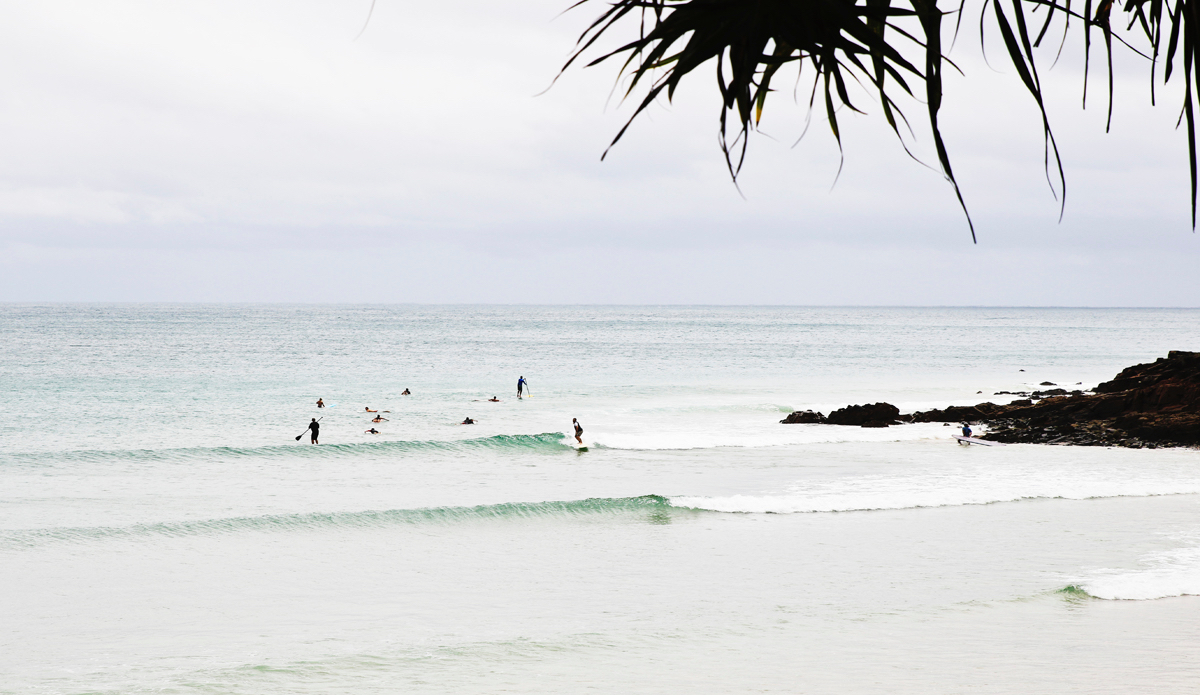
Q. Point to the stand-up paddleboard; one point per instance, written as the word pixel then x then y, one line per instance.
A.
pixel 973 440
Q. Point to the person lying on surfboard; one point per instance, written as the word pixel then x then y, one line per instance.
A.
pixel 468 421
pixel 406 392
pixel 493 399
pixel 371 431
pixel 378 418
pixel 368 409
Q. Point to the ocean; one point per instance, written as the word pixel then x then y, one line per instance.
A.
pixel 163 531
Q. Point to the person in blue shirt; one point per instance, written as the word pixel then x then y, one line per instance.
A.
pixel 521 385
pixel 966 430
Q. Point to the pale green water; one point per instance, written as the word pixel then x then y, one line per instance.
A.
pixel 162 531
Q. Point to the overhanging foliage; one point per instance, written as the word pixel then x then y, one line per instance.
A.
pixel 866 41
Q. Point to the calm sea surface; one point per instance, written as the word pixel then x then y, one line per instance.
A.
pixel 162 530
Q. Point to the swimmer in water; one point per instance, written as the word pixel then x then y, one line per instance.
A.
pixel 406 392
pixel 320 403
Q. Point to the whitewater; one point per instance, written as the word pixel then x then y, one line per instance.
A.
pixel 162 530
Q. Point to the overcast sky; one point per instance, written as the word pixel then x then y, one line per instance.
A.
pixel 255 151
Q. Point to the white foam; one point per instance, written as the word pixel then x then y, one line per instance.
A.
pixel 1164 574
pixel 640 439
pixel 953 488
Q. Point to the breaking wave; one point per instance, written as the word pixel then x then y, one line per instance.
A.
pixel 547 442
pixel 1162 575
pixel 317 521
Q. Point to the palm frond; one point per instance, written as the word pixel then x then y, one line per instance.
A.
pixel 749 41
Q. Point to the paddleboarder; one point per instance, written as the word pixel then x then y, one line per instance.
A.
pixel 315 428
pixel 521 385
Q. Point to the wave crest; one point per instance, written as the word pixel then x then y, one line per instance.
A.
pixel 655 505
pixel 547 441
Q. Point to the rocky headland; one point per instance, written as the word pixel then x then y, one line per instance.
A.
pixel 1145 406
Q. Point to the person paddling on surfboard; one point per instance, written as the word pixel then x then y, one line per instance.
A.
pixel 521 385
pixel 578 430
pixel 315 428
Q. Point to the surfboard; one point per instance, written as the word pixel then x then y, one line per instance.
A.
pixel 973 440
pixel 582 448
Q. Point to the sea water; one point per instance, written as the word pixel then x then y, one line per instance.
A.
pixel 162 530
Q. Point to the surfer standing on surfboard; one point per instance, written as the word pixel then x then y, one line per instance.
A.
pixel 578 430
pixel 520 385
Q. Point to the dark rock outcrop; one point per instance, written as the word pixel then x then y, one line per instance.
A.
pixel 803 417
pixel 1147 405
pixel 958 413
pixel 879 414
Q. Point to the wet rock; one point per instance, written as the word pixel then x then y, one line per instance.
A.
pixel 857 415
pixel 1051 392
pixel 803 417
pixel 1146 405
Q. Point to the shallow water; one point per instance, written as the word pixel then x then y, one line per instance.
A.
pixel 162 530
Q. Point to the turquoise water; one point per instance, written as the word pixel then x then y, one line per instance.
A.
pixel 162 530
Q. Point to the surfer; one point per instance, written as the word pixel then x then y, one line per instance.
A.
pixel 520 385
pixel 320 403
pixel 371 431
pixel 315 428
pixel 406 392
pixel 966 430
pixel 378 418
pixel 368 409
pixel 493 399
pixel 578 430
pixel 468 421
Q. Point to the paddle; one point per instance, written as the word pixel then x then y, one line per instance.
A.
pixel 306 431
